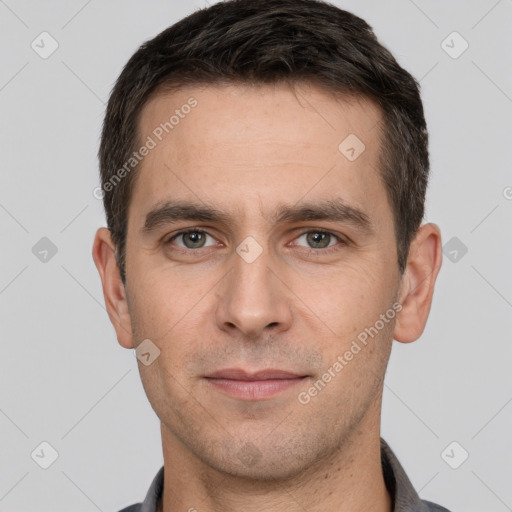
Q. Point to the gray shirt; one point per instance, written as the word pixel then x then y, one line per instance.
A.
pixel 403 495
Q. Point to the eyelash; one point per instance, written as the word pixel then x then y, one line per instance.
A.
pixel 310 250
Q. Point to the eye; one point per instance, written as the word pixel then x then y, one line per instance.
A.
pixel 320 239
pixel 191 239
pixel 317 240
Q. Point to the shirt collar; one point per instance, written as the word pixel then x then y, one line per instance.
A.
pixel 403 495
pixel 155 492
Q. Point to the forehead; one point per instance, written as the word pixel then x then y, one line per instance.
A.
pixel 233 145
pixel 230 111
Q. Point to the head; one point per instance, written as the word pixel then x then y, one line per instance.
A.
pixel 293 141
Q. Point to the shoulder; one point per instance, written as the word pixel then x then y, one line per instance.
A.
pixel 433 507
pixel 132 508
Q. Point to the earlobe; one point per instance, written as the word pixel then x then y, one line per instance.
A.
pixel 417 289
pixel 103 253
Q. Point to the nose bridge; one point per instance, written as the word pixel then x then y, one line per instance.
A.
pixel 251 270
pixel 252 298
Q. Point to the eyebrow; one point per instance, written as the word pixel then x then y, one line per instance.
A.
pixel 334 210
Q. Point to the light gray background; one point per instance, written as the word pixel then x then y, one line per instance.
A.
pixel 64 378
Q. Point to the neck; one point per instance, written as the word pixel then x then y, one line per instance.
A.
pixel 349 479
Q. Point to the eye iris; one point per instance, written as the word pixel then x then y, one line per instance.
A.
pixel 318 238
pixel 196 237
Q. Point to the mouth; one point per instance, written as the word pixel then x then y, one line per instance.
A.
pixel 258 385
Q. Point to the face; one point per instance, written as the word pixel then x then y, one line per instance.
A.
pixel 256 242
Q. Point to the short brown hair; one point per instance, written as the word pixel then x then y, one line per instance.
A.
pixel 265 42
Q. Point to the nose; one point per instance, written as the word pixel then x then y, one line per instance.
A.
pixel 253 298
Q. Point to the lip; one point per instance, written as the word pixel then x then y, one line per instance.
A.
pixel 259 385
pixel 239 374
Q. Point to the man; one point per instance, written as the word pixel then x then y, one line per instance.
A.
pixel 264 167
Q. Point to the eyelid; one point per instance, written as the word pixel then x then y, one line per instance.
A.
pixel 169 239
pixel 340 238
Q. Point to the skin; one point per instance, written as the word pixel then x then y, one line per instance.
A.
pixel 248 150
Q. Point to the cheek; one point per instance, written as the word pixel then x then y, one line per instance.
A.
pixel 159 298
pixel 345 298
pixel 172 310
pixel 153 308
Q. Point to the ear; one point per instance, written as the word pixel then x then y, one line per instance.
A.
pixel 418 280
pixel 103 253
